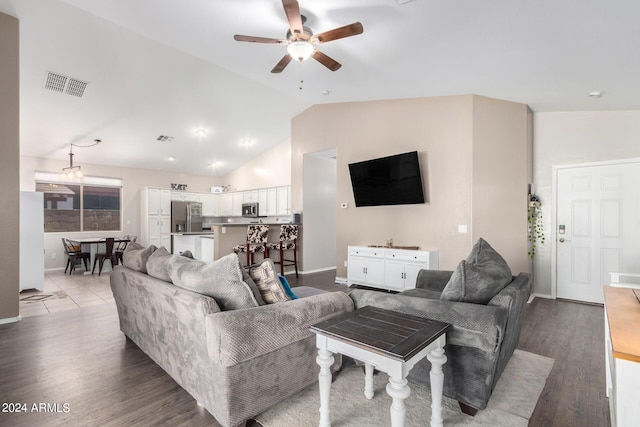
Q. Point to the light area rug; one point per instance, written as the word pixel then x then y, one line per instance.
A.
pixel 512 401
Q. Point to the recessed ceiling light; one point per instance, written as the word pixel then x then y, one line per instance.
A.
pixel 246 142
pixel 326 92
pixel 595 94
pixel 171 158
pixel 201 133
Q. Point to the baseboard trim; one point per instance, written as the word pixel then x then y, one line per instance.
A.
pixel 10 320
pixel 319 270
pixel 545 296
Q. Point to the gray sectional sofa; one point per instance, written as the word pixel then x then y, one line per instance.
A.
pixel 485 307
pixel 236 363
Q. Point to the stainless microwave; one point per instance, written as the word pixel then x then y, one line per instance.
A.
pixel 250 210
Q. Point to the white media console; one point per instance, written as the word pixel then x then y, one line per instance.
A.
pixel 388 268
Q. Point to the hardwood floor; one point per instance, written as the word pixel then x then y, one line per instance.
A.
pixel 80 358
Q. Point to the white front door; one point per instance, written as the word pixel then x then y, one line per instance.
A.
pixel 598 227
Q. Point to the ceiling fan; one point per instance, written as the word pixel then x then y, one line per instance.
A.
pixel 300 40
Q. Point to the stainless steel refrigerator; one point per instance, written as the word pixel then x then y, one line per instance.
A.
pixel 186 217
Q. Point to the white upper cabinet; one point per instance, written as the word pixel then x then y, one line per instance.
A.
pixel 284 202
pixel 209 204
pixel 159 201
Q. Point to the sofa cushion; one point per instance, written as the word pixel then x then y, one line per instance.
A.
pixel 221 280
pixel 158 264
pixel 265 276
pixel 136 256
pixel 478 278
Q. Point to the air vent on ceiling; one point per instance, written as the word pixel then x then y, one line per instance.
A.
pixel 64 84
pixel 164 138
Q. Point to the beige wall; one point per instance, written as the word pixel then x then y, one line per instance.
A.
pixel 441 129
pixel 133 180
pixel 501 174
pixel 563 138
pixel 270 169
pixel 9 167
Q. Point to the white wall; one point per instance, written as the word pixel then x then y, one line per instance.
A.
pixel 269 169
pixel 133 180
pixel 319 216
pixel 570 138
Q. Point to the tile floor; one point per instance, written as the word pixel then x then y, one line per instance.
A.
pixel 81 290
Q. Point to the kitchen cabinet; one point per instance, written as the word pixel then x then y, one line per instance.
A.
pixel 159 201
pixel 181 196
pixel 237 198
pixel 225 204
pixel 388 268
pixel 284 202
pixel 209 204
pixel 250 196
pixel 155 217
pixel 271 204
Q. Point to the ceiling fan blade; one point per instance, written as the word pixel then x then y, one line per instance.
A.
pixel 292 10
pixel 282 64
pixel 325 60
pixel 253 39
pixel 339 33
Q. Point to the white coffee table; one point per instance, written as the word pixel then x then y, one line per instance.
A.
pixel 388 341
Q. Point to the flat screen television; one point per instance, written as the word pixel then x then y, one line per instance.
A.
pixel 392 180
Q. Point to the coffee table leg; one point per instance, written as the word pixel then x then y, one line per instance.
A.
pixel 325 360
pixel 437 359
pixel 368 381
pixel 399 391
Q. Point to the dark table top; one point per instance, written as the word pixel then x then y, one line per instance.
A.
pixel 393 334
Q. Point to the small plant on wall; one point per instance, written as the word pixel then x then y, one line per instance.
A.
pixel 535 225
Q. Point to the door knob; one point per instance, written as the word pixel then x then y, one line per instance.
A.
pixel 562 240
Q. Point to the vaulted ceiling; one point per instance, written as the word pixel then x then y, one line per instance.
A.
pixel 166 67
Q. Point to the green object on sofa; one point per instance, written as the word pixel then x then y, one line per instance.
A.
pixel 481 341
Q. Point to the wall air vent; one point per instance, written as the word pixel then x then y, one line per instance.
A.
pixel 164 138
pixel 64 84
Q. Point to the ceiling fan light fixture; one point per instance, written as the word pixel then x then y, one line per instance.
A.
pixel 300 50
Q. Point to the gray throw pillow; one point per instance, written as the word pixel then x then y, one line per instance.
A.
pixel 266 279
pixel 478 278
pixel 136 256
pixel 249 281
pixel 158 264
pixel 221 280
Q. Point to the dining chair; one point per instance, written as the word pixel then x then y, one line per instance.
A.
pixel 288 242
pixel 74 254
pixel 108 254
pixel 120 248
pixel 256 241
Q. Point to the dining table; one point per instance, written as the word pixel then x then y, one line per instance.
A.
pixel 93 244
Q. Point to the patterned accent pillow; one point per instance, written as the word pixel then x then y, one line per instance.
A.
pixel 136 256
pixel 221 280
pixel 158 264
pixel 478 278
pixel 265 276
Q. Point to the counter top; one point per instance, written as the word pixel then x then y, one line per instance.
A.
pixel 244 224
pixel 623 315
pixel 193 233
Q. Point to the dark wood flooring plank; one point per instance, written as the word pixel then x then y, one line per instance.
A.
pixel 80 357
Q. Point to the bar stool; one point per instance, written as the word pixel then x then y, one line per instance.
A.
pixel 288 240
pixel 256 241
